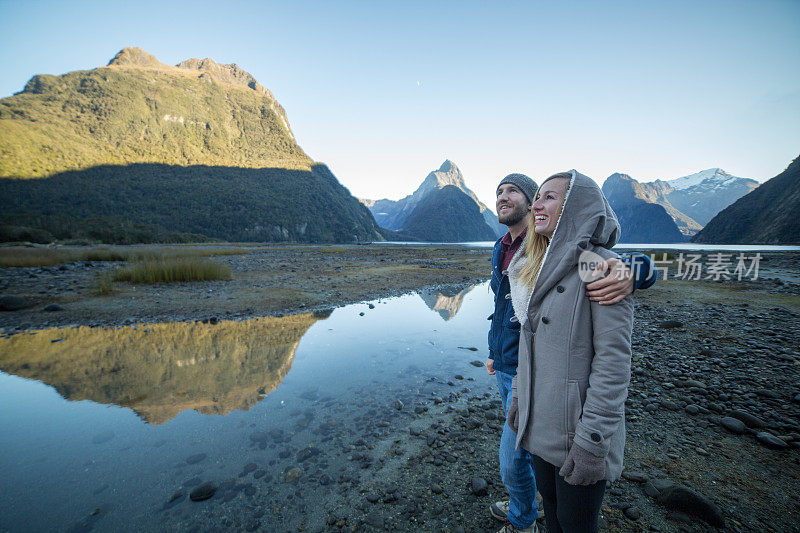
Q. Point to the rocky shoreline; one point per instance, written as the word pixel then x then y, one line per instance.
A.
pixel 269 280
pixel 713 414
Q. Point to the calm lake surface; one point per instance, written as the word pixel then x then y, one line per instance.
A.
pixel 642 246
pixel 100 428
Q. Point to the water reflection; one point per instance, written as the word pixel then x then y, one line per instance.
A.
pixel 159 370
pixel 446 302
pixel 368 383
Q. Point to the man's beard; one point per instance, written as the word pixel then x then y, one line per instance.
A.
pixel 515 216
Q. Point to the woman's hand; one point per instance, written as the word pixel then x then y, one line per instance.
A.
pixel 489 364
pixel 582 467
pixel 513 414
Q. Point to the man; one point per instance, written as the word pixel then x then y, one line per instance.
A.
pixel 515 196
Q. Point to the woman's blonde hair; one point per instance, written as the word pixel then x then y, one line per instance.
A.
pixel 535 243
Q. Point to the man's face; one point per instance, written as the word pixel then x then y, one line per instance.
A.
pixel 512 204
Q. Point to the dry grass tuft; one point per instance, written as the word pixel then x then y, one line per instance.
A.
pixel 173 269
pixel 21 256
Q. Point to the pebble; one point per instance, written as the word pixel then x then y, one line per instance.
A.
pixel 632 513
pixel 479 486
pixel 293 474
pixel 770 440
pixel 749 420
pixel 398 405
pixel 203 492
pixel 686 500
pixel 306 453
pixel 637 477
pixel 734 425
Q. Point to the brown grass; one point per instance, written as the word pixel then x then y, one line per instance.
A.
pixel 173 269
pixel 21 256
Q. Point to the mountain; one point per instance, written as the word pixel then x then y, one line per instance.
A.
pixel 644 213
pixel 393 215
pixel 704 194
pixel 769 214
pixel 447 215
pixel 157 152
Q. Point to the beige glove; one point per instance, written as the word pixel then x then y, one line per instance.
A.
pixel 512 419
pixel 582 467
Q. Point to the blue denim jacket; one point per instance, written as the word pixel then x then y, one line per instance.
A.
pixel 504 331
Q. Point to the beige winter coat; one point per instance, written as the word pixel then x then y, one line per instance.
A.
pixel 574 355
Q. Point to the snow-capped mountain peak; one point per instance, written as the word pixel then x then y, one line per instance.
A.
pixel 717 175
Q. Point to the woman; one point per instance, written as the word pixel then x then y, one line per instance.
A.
pixel 568 403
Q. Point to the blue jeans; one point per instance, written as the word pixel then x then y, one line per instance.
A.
pixel 516 467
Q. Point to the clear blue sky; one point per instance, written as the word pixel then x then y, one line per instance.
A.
pixel 383 92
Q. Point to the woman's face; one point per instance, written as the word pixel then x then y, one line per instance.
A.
pixel 548 204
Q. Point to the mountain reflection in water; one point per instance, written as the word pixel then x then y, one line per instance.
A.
pixel 159 370
pixel 446 302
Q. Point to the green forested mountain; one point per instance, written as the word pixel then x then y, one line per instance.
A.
pixel 769 214
pixel 147 151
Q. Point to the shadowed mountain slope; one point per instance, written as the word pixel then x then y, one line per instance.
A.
pixel 147 202
pixel 641 214
pixel 448 215
pixel 769 214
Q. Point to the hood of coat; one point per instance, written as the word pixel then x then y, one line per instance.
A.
pixel 586 222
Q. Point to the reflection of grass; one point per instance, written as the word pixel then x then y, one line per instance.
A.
pixel 173 269
pixel 19 256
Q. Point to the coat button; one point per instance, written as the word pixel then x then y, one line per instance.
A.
pixel 513 320
pixel 508 296
pixel 504 272
pixel 595 437
pixel 560 288
pixel 545 320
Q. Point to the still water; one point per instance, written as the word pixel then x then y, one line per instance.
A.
pixel 625 247
pixel 111 428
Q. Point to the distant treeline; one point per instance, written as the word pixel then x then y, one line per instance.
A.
pixel 172 203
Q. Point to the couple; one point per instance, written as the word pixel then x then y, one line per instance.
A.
pixel 560 349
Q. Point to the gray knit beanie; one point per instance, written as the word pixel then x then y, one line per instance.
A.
pixel 523 183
